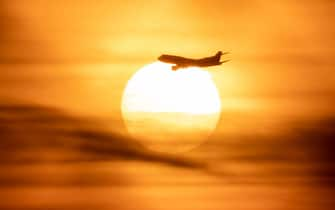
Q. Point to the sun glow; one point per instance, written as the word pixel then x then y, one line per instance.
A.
pixel 155 88
pixel 161 105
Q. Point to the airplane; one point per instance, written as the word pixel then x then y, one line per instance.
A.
pixel 182 62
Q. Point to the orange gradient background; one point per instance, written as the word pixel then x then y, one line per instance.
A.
pixel 270 148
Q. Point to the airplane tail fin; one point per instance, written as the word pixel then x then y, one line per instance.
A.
pixel 219 54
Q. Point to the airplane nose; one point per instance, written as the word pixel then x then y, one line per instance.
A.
pixel 161 58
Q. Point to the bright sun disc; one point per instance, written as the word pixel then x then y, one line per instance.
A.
pixel 170 111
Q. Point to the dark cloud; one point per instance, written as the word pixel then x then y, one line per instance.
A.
pixel 33 128
pixel 33 134
pixel 318 139
pixel 300 153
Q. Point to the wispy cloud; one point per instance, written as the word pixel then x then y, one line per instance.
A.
pixel 27 131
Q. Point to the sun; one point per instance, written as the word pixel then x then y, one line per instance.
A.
pixel 170 111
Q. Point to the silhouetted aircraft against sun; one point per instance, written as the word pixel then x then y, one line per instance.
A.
pixel 181 62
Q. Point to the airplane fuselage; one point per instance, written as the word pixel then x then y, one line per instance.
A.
pixel 182 62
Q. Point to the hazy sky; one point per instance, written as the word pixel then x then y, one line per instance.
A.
pixel 274 141
pixel 79 54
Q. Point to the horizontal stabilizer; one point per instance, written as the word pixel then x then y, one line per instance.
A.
pixel 225 61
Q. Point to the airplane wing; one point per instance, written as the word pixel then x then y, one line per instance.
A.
pixel 175 67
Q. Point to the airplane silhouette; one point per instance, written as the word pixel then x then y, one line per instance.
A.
pixel 182 62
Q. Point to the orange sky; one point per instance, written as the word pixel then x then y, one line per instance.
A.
pixel 78 55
